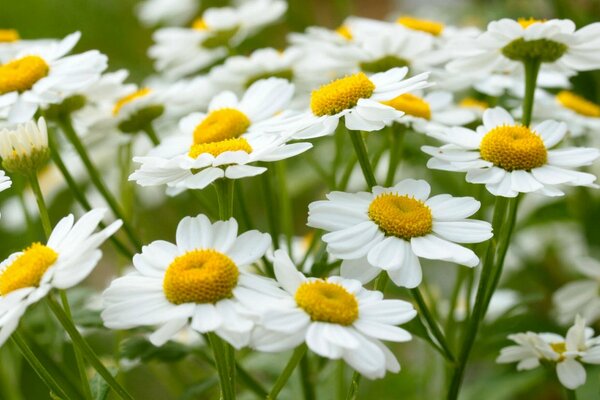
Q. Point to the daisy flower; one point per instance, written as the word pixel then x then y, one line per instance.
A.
pixel 42 75
pixel 223 142
pixel 182 51
pixel 195 282
pixel 69 256
pixel 582 296
pixel 391 228
pixel 359 99
pixel 510 158
pixel 554 42
pixel 336 317
pixel 581 115
pixel 24 147
pixel 567 353
pixel 154 12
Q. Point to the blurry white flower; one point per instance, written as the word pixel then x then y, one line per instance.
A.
pixel 567 353
pixel 170 12
pixel 336 317
pixel 390 228
pixel 70 255
pixel 510 158
pixel 582 296
pixel 581 115
pixel 196 282
pixel 42 75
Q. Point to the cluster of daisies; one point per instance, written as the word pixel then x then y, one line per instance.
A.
pixel 210 117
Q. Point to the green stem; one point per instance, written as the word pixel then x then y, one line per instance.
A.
pixel 80 343
pixel 570 394
pixel 432 324
pixel 67 127
pixel 225 189
pixel 354 385
pixel 270 201
pixel 61 390
pixel 39 198
pixel 532 67
pixel 297 355
pixel 151 133
pixel 226 377
pixel 397 134
pixel 285 205
pixel 79 196
pixel 308 387
pixel 363 157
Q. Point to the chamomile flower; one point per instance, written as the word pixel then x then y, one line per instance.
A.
pixel 581 296
pixel 359 99
pixel 154 12
pixel 222 143
pixel 555 43
pixel 581 115
pixel 24 147
pixel 69 256
pixel 195 282
pixel 182 51
pixel 567 353
pixel 391 228
pixel 42 75
pixel 336 317
pixel 510 158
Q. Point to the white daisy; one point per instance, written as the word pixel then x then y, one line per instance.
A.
pixel 582 296
pixel 567 353
pixel 11 44
pixel 581 115
pixel 554 42
pixel 195 282
pixel 222 143
pixel 359 99
pixel 390 228
pixel 336 317
pixel 182 51
pixel 70 255
pixel 42 75
pixel 154 12
pixel 510 158
pixel 24 147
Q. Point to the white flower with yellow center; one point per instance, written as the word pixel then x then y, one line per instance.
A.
pixel 69 256
pixel 222 143
pixel 182 51
pixel 580 114
pixel 359 99
pixel 153 12
pixel 24 147
pixel 42 75
pixel 555 43
pixel 510 158
pixel 336 317
pixel 581 296
pixel 195 282
pixel 390 228
pixel 568 353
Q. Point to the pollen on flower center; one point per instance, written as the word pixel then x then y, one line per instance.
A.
pixel 9 35
pixel 129 98
pixel 341 94
pixel 411 105
pixel 470 102
pixel 560 348
pixel 401 216
pixel 526 22
pixel 216 148
pixel 433 27
pixel 327 302
pixel 513 147
pixel 344 31
pixel 199 24
pixel 226 123
pixel 578 104
pixel 200 276
pixel 21 74
pixel 27 269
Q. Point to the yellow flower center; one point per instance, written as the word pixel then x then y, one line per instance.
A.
pixel 526 22
pixel 341 94
pixel 216 148
pixel 21 74
pixel 578 104
pixel 344 31
pixel 433 27
pixel 226 123
pixel 401 216
pixel 327 302
pixel 27 269
pixel 560 348
pixel 129 98
pixel 199 24
pixel 200 276
pixel 411 105
pixel 513 147
pixel 470 102
pixel 9 35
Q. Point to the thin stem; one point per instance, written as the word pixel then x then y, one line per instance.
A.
pixel 226 378
pixel 432 324
pixel 225 189
pixel 67 127
pixel 305 379
pixel 61 390
pixel 297 355
pixel 285 205
pixel 151 133
pixel 354 385
pixel 80 343
pixel 532 67
pixel 270 201
pixel 396 136
pixel 363 157
pixel 39 198
pixel 570 394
